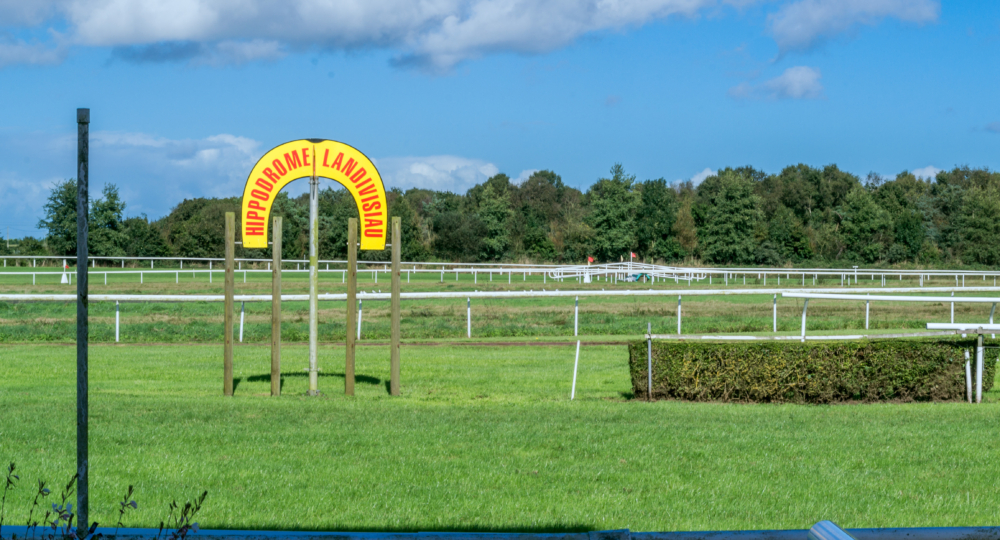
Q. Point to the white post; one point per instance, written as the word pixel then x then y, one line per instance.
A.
pixel 649 361
pixel 774 312
pixel 576 364
pixel 209 273
pixel 866 313
pixel 105 278
pixel 359 319
pixel 177 278
pixel 678 315
pixel 468 317
pixel 243 306
pixel 140 278
pixel 953 311
pixel 150 264
pixel 576 315
pixel 805 305
pixel 992 310
pixel 979 370
pixel 968 378
pixel 117 321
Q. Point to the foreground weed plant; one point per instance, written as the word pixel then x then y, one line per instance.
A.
pixel 58 521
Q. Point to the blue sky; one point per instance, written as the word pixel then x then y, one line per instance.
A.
pixel 185 95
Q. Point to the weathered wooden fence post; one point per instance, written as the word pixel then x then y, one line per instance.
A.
pixel 394 353
pixel 276 307
pixel 352 303
pixel 227 351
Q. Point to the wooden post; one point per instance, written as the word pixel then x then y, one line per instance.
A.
pixel 227 377
pixel 394 347
pixel 352 303
pixel 276 307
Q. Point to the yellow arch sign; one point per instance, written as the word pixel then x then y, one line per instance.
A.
pixel 305 158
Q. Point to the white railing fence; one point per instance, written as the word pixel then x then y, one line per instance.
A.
pixel 805 295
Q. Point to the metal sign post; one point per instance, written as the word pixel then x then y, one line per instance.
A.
pixel 313 279
pixel 82 331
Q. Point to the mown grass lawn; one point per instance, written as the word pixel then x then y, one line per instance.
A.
pixel 483 438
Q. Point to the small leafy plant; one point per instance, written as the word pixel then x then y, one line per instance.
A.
pixel 57 521
pixel 125 505
pixel 181 520
pixel 11 483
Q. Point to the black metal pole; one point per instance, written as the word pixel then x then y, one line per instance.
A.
pixel 82 179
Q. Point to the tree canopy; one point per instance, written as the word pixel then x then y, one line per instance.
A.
pixel 740 216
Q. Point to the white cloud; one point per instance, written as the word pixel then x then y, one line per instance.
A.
pixel 799 82
pixel 524 176
pixel 929 171
pixel 432 34
pixel 804 24
pixel 442 173
pixel 21 52
pixel 701 176
pixel 152 173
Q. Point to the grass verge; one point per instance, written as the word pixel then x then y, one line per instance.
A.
pixel 483 438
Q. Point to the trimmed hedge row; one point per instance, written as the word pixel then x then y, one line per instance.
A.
pixel 811 372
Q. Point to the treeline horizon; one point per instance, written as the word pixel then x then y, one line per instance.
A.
pixel 802 216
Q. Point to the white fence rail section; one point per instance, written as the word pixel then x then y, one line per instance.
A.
pixel 805 294
pixel 867 298
pixel 611 272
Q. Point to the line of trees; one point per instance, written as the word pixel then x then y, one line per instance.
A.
pixel 800 216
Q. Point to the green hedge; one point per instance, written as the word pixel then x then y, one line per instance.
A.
pixel 811 372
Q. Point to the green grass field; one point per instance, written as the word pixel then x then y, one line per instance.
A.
pixel 483 438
